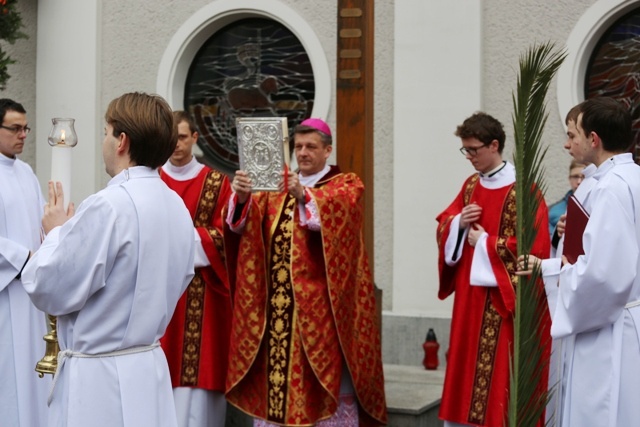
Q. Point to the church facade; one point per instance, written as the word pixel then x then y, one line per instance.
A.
pixel 436 62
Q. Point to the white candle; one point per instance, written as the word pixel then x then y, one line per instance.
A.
pixel 61 168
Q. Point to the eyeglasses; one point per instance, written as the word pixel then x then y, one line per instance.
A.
pixel 17 129
pixel 575 177
pixel 472 151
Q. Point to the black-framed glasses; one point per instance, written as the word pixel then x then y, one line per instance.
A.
pixel 576 177
pixel 17 129
pixel 472 151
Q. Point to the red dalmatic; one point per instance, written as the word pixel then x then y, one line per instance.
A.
pixel 197 339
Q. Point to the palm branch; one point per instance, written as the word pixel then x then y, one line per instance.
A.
pixel 528 395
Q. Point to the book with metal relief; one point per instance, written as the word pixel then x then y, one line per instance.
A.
pixel 577 219
pixel 263 150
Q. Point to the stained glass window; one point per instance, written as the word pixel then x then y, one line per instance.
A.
pixel 614 68
pixel 252 67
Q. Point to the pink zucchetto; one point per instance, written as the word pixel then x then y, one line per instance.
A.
pixel 318 124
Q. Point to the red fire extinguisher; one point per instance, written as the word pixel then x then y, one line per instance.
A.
pixel 430 347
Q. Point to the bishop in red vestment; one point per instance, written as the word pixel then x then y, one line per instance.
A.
pixel 196 341
pixel 305 342
pixel 477 264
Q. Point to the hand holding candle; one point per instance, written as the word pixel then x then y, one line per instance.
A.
pixel 55 211
pixel 62 138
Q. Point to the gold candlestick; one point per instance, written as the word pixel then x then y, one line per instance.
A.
pixel 49 363
pixel 61 138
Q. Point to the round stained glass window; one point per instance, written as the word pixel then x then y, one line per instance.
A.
pixel 614 68
pixel 252 67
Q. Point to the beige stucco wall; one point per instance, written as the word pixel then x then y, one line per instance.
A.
pixel 510 27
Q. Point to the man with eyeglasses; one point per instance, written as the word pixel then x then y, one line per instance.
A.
pixel 477 262
pixel 23 396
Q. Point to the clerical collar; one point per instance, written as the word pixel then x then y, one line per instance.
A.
pixel 493 171
pixel 589 170
pixel 6 160
pixel 311 180
pixel 183 173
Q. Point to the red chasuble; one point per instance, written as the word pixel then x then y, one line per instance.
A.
pixel 476 387
pixel 302 300
pixel 196 341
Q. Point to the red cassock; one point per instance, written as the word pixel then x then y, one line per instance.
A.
pixel 303 305
pixel 476 387
pixel 196 341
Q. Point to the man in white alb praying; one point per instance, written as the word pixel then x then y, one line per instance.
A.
pixel 113 280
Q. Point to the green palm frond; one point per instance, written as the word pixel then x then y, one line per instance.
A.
pixel 528 396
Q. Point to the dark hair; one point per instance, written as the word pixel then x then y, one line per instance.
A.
pixel 304 129
pixel 484 128
pixel 7 104
pixel 572 115
pixel 610 120
pixel 148 122
pixel 182 116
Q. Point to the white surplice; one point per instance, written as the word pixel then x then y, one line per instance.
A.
pixel 550 274
pixel 23 396
pixel 595 309
pixel 113 275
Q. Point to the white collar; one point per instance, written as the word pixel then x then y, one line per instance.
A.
pixel 311 180
pixel 7 161
pixel 132 173
pixel 183 173
pixel 499 177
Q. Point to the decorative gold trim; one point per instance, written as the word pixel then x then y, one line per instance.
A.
pixel 195 291
pixel 192 332
pixel 351 12
pixel 350 74
pixel 350 53
pixel 349 33
pixel 491 321
pixel 485 360
pixel 280 314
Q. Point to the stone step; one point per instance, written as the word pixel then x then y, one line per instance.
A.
pixel 413 395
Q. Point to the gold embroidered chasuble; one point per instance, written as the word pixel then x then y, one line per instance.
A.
pixel 302 300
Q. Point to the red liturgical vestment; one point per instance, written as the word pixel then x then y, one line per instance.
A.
pixel 196 341
pixel 303 308
pixel 476 387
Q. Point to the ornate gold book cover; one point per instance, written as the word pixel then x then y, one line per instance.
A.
pixel 263 149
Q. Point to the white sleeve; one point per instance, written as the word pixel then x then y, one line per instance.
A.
pixel 594 291
pixel 451 255
pixel 309 216
pixel 550 270
pixel 481 271
pixel 12 258
pixel 71 264
pixel 200 258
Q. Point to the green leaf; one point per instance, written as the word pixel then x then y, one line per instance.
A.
pixel 528 395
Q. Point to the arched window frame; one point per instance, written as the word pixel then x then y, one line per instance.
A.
pixel 196 30
pixel 583 39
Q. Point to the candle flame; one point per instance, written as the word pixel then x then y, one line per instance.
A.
pixel 62 136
